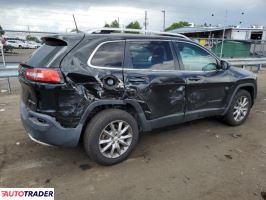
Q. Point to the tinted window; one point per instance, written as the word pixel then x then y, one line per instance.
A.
pixel 151 55
pixel 109 55
pixel 43 55
pixel 195 58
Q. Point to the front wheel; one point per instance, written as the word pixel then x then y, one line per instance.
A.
pixel 239 109
pixel 111 136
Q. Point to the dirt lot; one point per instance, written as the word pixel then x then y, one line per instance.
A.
pixel 204 159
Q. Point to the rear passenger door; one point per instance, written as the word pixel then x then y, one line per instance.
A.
pixel 150 77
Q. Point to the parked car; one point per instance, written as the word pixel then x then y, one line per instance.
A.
pixel 17 44
pixel 33 45
pixel 104 89
pixel 24 44
pixel 13 44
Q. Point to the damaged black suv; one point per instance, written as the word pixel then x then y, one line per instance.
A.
pixel 103 89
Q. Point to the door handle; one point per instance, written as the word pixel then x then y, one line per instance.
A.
pixel 194 79
pixel 137 79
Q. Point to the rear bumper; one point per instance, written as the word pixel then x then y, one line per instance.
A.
pixel 45 129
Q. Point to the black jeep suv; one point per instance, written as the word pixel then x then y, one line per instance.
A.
pixel 104 89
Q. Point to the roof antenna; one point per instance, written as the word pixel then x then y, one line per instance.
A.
pixel 77 30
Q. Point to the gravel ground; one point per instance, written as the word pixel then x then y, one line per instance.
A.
pixel 203 159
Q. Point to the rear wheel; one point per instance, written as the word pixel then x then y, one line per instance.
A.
pixel 239 109
pixel 111 136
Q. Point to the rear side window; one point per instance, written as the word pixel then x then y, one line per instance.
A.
pixel 151 55
pixel 110 54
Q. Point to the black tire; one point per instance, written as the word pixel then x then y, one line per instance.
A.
pixel 94 131
pixel 229 117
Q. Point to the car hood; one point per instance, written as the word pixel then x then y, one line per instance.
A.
pixel 239 72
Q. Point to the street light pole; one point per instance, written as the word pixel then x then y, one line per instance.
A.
pixel 163 11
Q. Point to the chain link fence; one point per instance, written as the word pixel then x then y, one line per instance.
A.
pixel 234 48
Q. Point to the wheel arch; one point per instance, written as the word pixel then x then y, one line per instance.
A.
pixel 251 91
pixel 250 87
pixel 130 106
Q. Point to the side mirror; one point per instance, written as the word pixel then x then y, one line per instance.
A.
pixel 224 65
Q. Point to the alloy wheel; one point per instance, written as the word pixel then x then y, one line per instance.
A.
pixel 115 139
pixel 241 108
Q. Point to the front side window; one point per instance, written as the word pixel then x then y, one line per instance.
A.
pixel 156 55
pixel 195 58
pixel 110 54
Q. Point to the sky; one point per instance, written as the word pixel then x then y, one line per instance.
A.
pixel 56 15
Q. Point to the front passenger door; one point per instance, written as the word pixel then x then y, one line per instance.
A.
pixel 206 86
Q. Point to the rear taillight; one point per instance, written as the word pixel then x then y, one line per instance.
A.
pixel 43 75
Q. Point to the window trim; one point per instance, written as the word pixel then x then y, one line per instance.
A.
pixel 129 61
pixel 179 66
pixel 182 67
pixel 103 67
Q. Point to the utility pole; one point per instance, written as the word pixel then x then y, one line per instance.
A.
pixel 222 46
pixel 163 11
pixel 75 23
pixel 146 21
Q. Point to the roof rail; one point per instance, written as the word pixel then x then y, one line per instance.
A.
pixel 126 30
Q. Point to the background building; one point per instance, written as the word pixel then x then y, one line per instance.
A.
pixel 255 33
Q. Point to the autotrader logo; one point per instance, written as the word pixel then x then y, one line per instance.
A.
pixel 26 193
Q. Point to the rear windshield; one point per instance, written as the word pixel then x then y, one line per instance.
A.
pixel 44 55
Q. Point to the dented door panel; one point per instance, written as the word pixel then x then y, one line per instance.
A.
pixel 207 90
pixel 159 93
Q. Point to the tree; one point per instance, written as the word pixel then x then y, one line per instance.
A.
pixel 32 38
pixel 114 24
pixel 106 25
pixel 2 32
pixel 177 25
pixel 134 25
